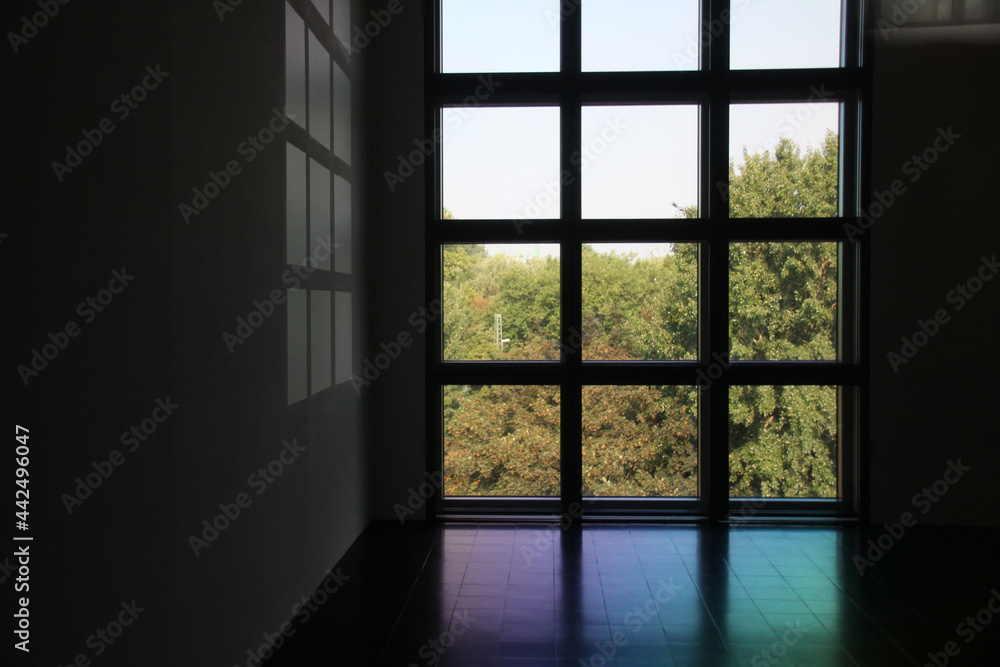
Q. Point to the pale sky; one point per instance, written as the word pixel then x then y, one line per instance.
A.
pixel 504 162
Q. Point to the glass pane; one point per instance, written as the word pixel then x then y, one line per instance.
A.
pixel 785 34
pixel 640 161
pixel 640 441
pixel 783 301
pixel 784 159
pixel 783 442
pixel 344 331
pixel 319 91
pixel 342 225
pixel 501 162
pixel 295 66
pixel 298 323
pixel 321 321
pixel 640 35
pixel 319 214
pixel 640 301
pixel 500 35
pixel 296 236
pixel 501 440
pixel 501 302
pixel 341 114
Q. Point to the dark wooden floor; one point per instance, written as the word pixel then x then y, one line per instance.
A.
pixel 631 595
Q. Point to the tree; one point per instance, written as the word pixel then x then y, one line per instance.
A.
pixel 524 291
pixel 783 441
pixel 789 184
pixel 640 309
pixel 501 440
pixel 642 440
pixel 783 306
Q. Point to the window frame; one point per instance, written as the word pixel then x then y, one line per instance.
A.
pixel 714 87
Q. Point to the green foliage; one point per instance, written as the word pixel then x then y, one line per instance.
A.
pixel 501 440
pixel 640 309
pixel 788 184
pixel 642 441
pixel 783 441
pixel 783 301
pixel 525 292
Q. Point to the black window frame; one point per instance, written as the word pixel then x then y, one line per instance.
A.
pixel 714 87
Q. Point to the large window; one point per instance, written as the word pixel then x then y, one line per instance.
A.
pixel 638 229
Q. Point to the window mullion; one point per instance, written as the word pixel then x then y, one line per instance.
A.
pixel 715 299
pixel 571 393
pixel 434 404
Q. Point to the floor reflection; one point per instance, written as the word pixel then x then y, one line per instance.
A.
pixel 638 595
